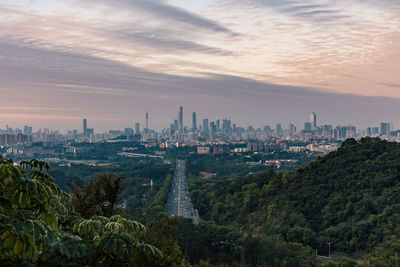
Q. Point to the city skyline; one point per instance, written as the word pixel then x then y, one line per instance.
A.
pixel 208 133
pixel 255 61
pixel 179 124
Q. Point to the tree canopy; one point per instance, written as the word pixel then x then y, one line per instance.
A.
pixel 350 198
pixel 38 224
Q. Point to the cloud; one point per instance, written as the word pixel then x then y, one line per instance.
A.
pixel 131 42
pixel 166 42
pixel 392 85
pixel 34 28
pixel 161 10
pixel 311 10
pixel 341 12
pixel 86 86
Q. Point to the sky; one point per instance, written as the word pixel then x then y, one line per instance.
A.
pixel 256 62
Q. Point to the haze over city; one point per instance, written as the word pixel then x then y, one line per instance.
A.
pixel 257 62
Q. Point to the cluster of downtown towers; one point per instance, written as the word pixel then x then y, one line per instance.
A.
pixel 207 127
pixel 225 126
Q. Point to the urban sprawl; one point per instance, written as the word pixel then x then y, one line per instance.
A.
pixel 208 137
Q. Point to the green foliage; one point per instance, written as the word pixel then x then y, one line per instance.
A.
pixel 156 209
pixel 207 244
pixel 270 251
pixel 207 241
pixel 98 197
pixel 234 164
pixel 32 209
pixel 385 255
pixel 350 197
pixel 39 225
pixel 347 262
pixel 331 264
pixel 344 262
pixel 163 233
pixel 137 194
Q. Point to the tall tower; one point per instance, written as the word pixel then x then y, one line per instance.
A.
pixel 205 125
pixel 385 129
pixel 147 121
pixel 137 128
pixel 194 122
pixel 180 119
pixel 313 120
pixel 85 127
pixel 279 129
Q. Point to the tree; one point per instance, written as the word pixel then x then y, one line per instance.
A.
pixel 385 255
pixel 98 197
pixel 38 224
pixel 350 196
pixel 164 234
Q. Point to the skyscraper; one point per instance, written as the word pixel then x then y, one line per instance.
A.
pixel 27 129
pixel 327 131
pixel 205 126
pixel 213 127
pixel 147 121
pixel 224 125
pixel 137 128
pixel 307 127
pixel 369 131
pixel 313 120
pixel 279 129
pixel 84 127
pixel 194 122
pixel 292 130
pixel 180 119
pixel 385 129
pixel 267 129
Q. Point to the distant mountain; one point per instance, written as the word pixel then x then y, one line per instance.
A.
pixel 350 198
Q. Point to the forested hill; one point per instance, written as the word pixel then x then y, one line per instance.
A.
pixel 350 197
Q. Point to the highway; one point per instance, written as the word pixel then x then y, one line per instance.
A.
pixel 179 203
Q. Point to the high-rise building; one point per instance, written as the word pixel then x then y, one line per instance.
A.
pixel 345 132
pixel 327 130
pixel 90 132
pixel 218 125
pixel 85 127
pixel 180 119
pixel 129 131
pixel 27 129
pixel 194 122
pixel 369 131
pixel 307 127
pixel 267 129
pixel 226 126
pixel 385 129
pixel 205 126
pixel 175 125
pixel 313 120
pixel 147 122
pixel 279 129
pixel 213 128
pixel 137 128
pixel 336 133
pixel 375 130
pixel 292 130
